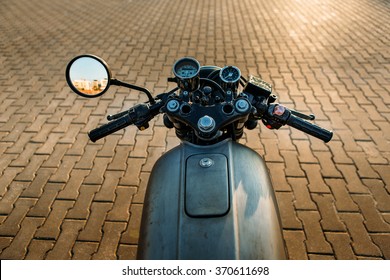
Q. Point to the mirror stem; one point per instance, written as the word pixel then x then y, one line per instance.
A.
pixel 144 90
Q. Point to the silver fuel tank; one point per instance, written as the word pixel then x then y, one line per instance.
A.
pixel 210 202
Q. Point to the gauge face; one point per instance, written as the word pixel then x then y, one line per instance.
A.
pixel 230 74
pixel 186 68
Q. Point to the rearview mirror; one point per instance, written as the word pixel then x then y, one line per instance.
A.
pixel 88 75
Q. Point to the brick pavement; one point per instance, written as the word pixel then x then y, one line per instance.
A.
pixel 63 197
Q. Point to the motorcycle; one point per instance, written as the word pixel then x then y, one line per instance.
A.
pixel 210 197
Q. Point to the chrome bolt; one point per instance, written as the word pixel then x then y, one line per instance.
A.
pixel 206 124
pixel 242 106
pixel 173 106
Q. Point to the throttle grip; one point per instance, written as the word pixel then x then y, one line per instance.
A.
pixel 110 127
pixel 309 128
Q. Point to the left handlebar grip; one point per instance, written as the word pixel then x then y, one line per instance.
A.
pixel 110 128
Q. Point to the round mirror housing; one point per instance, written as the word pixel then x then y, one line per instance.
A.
pixel 88 75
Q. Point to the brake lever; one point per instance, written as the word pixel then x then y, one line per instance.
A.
pixel 310 117
pixel 117 116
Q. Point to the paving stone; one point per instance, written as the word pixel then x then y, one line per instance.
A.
pixel 51 227
pixel 129 134
pixel 302 198
pixel 330 220
pixel 20 141
pixel 8 200
pixel 383 242
pixel 381 196
pixel 48 147
pixel 71 189
pixel 127 252
pixel 271 151
pixel 88 157
pixel 293 167
pixel 154 153
pixel 373 219
pixel 108 149
pixel 4 242
pixel 285 142
pixel 23 158
pixel 62 249
pixel 5 160
pixel 384 171
pixel 96 176
pixel 78 146
pixel 93 228
pixel 131 177
pixel 305 154
pixel 6 179
pixel 373 155
pixel 361 241
pixel 131 235
pixel 140 148
pixel 121 210
pixel 11 225
pixel 63 172
pixel 354 183
pixel 84 250
pixel 321 257
pixel 341 244
pixel 109 244
pixel 328 168
pixel 349 143
pixel 38 249
pixel 338 153
pixel 316 181
pixel 109 186
pixel 120 159
pixel 31 169
pixel 379 137
pixel 139 196
pixel 43 205
pixel 42 135
pixel 343 201
pixel 81 208
pixel 315 239
pixel 56 157
pixel 363 166
pixel 63 126
pixel 287 210
pixel 295 242
pixel 159 136
pixel 18 247
pixel 71 135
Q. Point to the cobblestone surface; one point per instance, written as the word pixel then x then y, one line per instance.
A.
pixel 63 197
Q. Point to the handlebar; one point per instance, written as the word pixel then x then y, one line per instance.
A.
pixel 273 115
pixel 309 128
pixel 110 127
pixel 278 115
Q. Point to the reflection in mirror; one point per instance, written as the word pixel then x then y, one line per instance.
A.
pixel 89 76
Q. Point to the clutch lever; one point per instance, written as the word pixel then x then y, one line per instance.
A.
pixel 117 116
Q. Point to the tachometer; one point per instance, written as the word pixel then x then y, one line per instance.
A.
pixel 186 71
pixel 230 76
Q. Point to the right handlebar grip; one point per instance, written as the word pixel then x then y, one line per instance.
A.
pixel 309 128
pixel 109 128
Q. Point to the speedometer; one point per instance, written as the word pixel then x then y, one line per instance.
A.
pixel 186 71
pixel 230 76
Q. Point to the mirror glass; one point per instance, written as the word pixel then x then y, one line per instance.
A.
pixel 88 76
